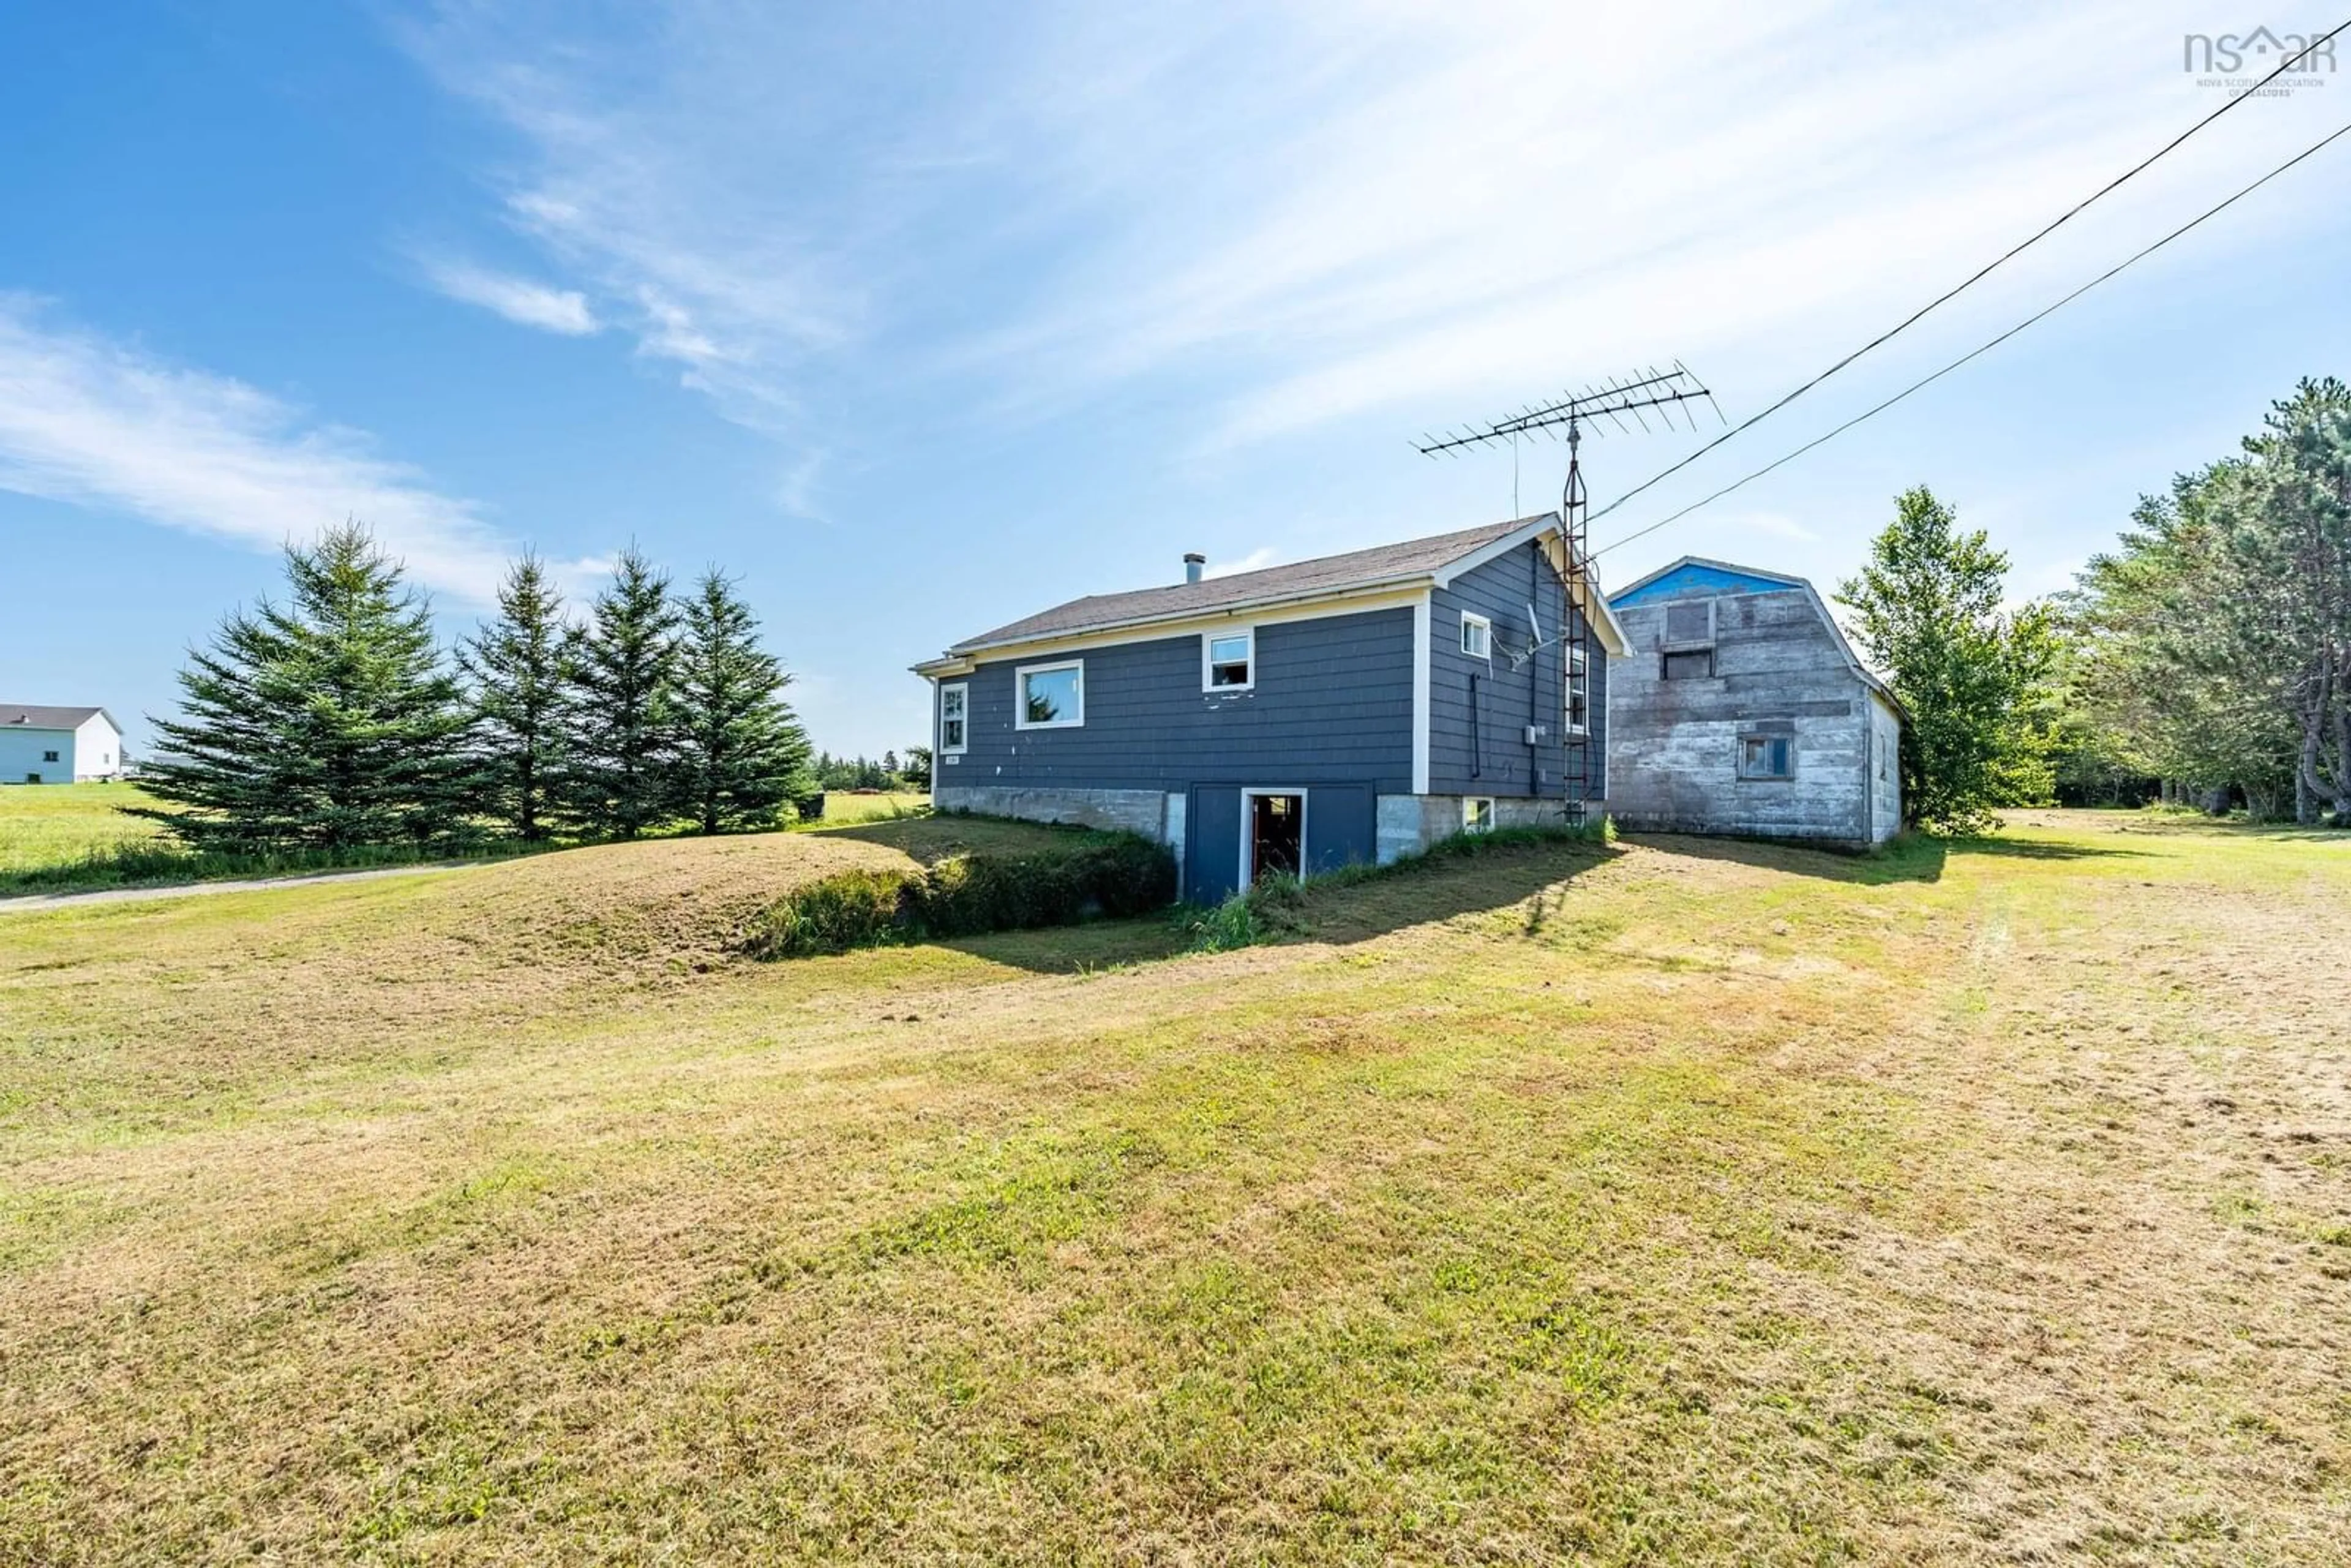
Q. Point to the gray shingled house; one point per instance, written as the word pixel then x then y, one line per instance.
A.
pixel 1741 709
pixel 1296 719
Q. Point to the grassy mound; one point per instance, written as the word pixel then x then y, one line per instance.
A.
pixel 968 895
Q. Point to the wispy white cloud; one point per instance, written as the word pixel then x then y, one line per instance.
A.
pixel 1257 559
pixel 92 422
pixel 1318 210
pixel 518 299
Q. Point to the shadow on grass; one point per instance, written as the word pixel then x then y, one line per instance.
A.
pixel 1913 858
pixel 1353 906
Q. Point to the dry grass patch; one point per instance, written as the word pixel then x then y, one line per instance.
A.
pixel 1679 1203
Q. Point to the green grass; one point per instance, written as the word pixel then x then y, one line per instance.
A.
pixel 1667 1201
pixel 45 826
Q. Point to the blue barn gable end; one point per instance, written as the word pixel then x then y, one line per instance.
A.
pixel 1694 579
pixel 1296 719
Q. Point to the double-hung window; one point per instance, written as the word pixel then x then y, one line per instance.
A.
pixel 1049 697
pixel 1767 756
pixel 1477 636
pixel 1577 718
pixel 955 719
pixel 1228 661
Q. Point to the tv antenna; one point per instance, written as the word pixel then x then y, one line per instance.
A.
pixel 1653 393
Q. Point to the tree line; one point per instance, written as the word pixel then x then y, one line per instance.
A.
pixel 867 773
pixel 334 720
pixel 2207 658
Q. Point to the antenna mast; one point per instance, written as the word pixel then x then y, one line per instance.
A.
pixel 1663 393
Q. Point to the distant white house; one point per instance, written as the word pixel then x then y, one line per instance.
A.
pixel 58 744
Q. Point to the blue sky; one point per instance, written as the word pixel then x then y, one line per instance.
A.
pixel 918 319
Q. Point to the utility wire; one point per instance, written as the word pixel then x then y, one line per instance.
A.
pixel 2307 52
pixel 2047 310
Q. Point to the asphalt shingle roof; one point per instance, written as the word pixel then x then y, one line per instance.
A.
pixel 32 715
pixel 1326 574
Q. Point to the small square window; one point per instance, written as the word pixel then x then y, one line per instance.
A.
pixel 1477 814
pixel 1477 636
pixel 1229 662
pixel 49 757
pixel 1689 665
pixel 1767 756
pixel 955 724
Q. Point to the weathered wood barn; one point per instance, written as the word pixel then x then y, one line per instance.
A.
pixel 1741 709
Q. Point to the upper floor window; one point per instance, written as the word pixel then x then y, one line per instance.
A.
pixel 1767 756
pixel 49 757
pixel 955 726
pixel 1689 665
pixel 1477 636
pixel 1577 718
pixel 1228 661
pixel 1050 696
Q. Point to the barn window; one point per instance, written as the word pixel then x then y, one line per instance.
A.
pixel 955 720
pixel 1052 696
pixel 1477 636
pixel 1578 715
pixel 1689 665
pixel 1229 662
pixel 1477 814
pixel 1767 756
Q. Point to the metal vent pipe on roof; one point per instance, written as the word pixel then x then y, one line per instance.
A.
pixel 1194 563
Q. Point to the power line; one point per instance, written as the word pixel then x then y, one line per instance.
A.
pixel 2307 51
pixel 2047 310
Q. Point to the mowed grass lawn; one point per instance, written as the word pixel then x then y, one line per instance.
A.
pixel 44 825
pixel 1679 1201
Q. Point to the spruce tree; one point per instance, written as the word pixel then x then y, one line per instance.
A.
pixel 520 666
pixel 328 722
pixel 619 775
pixel 742 753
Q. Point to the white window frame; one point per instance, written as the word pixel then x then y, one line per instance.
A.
pixel 962 689
pixel 1469 823
pixel 1247 840
pixel 1020 674
pixel 1209 662
pixel 1485 636
pixel 1577 676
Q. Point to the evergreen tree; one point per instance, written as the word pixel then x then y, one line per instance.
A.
pixel 1928 612
pixel 328 722
pixel 520 666
pixel 619 740
pixel 741 753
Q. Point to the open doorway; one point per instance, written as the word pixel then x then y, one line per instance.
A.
pixel 1274 840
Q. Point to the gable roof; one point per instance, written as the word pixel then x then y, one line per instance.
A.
pixel 1429 561
pixel 1696 577
pixel 34 715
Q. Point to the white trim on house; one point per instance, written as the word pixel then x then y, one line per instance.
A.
pixel 963 664
pixel 1020 674
pixel 1575 674
pixel 1248 838
pixel 1582 591
pixel 1421 636
pixel 1485 638
pixel 1208 664
pixel 962 690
